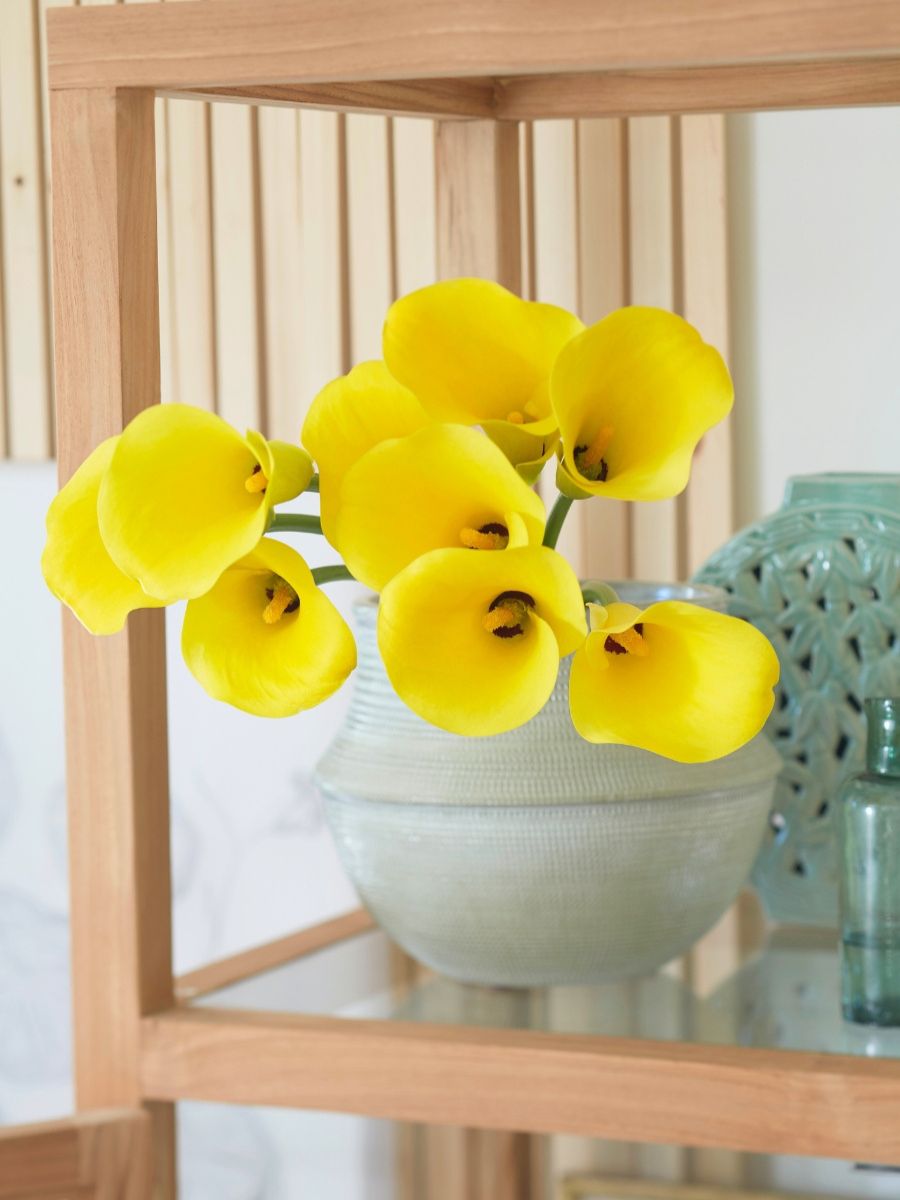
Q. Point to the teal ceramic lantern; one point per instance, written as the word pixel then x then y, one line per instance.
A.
pixel 821 578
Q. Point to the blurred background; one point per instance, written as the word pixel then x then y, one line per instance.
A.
pixel 283 238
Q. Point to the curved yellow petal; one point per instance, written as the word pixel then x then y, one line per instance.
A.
pixel 271 669
pixel 633 395
pixel 448 666
pixel 526 450
pixel 418 493
pixel 350 416
pixel 75 563
pixel 174 507
pixel 697 688
pixel 288 467
pixel 473 352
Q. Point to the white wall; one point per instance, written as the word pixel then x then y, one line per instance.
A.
pixel 815 277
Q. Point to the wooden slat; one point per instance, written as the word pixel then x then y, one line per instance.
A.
pixel 323 233
pixel 372 276
pixel 602 287
pixel 415 238
pixel 25 351
pixel 107 370
pixel 593 1187
pixel 478 201
pixel 654 526
pixel 189 220
pixel 282 270
pixel 225 971
pixel 704 302
pixel 240 378
pixel 453 98
pixel 744 88
pixel 773 1102
pixel 280 41
pixel 96 1156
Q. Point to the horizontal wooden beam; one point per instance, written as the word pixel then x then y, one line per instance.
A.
pixel 852 82
pixel 236 967
pixel 200 44
pixel 771 1102
pixel 444 98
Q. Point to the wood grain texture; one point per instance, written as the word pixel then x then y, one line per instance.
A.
pixel 478 201
pixel 655 551
pixel 25 349
pixel 102 1155
pixel 293 41
pixel 451 98
pixel 739 88
pixel 107 370
pixel 775 1102
pixel 236 967
pixel 607 1187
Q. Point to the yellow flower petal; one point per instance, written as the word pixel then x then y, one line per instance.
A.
pixel 527 451
pixel 174 507
pixel 444 661
pixel 75 562
pixel 474 352
pixel 699 688
pixel 350 416
pixel 269 667
pixel 636 392
pixel 419 493
pixel 288 468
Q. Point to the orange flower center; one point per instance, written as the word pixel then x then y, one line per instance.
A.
pixel 282 599
pixel 508 614
pixel 589 456
pixel 492 536
pixel 628 641
pixel 257 480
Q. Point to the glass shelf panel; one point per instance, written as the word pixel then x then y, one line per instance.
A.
pixel 785 995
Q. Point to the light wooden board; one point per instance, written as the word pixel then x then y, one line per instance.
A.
pixel 776 1102
pixel 278 41
pixel 107 370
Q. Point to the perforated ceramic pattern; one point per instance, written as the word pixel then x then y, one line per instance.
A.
pixel 823 583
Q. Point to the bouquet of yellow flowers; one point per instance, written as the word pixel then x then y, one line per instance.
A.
pixel 425 463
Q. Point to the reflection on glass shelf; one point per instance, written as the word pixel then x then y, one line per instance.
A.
pixel 786 996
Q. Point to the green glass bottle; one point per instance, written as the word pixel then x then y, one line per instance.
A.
pixel 869 824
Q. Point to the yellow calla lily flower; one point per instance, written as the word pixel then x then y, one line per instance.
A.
pixel 75 563
pixel 633 395
pixel 348 417
pixel 472 642
pixel 476 354
pixel 265 639
pixel 676 679
pixel 444 486
pixel 185 496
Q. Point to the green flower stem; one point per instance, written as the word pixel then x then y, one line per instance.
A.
pixel 294 523
pixel 313 485
pixel 558 514
pixel 337 574
pixel 599 593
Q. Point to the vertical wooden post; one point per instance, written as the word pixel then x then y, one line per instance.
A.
pixel 478 204
pixel 107 370
pixel 478 233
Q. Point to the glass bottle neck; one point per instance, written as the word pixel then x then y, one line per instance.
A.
pixel 883 737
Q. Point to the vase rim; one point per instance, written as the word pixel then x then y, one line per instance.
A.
pixel 873 489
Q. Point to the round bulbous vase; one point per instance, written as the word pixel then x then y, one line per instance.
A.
pixel 534 858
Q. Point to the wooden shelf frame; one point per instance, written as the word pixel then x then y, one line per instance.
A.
pixel 479 67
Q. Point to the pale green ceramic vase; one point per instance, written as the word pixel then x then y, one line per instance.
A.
pixel 534 858
pixel 821 578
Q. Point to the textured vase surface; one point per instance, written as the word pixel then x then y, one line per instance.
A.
pixel 821 578
pixel 534 858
